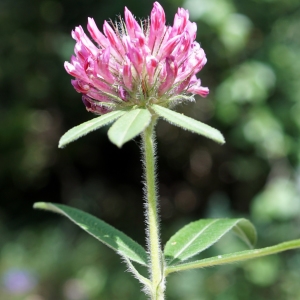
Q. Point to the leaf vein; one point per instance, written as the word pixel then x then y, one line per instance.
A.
pixel 194 238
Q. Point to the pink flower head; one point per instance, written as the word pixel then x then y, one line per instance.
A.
pixel 137 64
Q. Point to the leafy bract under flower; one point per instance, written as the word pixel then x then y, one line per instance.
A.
pixel 137 65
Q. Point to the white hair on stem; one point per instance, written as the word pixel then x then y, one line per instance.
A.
pixel 146 202
pixel 143 280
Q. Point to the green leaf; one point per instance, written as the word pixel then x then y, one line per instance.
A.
pixel 200 235
pixel 105 233
pixel 234 257
pixel 87 127
pixel 129 126
pixel 189 123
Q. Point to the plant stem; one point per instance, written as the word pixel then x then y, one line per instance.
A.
pixel 152 230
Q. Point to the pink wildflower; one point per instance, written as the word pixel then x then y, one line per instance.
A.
pixel 137 64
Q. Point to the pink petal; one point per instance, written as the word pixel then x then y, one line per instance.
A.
pixel 171 68
pixel 180 22
pixel 191 27
pixel 168 47
pixel 151 66
pixel 96 34
pixel 102 86
pixel 140 40
pixel 114 40
pixel 123 94
pixel 196 88
pixel 75 71
pixel 157 25
pixel 103 66
pixel 92 106
pixel 132 25
pixel 95 94
pixel 80 86
pixel 193 64
pixel 79 35
pixel 182 86
pixel 127 75
pixel 89 67
pixel 200 90
pixel 81 52
pixel 182 49
pixel 136 57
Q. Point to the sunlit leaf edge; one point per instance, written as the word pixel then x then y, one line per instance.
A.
pixel 84 128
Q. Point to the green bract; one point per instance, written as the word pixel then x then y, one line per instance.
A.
pixel 87 127
pixel 128 124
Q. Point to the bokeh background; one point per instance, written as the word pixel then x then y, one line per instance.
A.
pixel 253 72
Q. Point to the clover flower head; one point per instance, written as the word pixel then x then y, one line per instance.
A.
pixel 137 64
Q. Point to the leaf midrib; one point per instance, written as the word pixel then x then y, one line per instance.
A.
pixel 193 239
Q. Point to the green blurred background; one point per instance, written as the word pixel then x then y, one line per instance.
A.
pixel 253 72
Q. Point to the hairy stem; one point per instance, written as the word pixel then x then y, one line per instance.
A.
pixel 154 248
